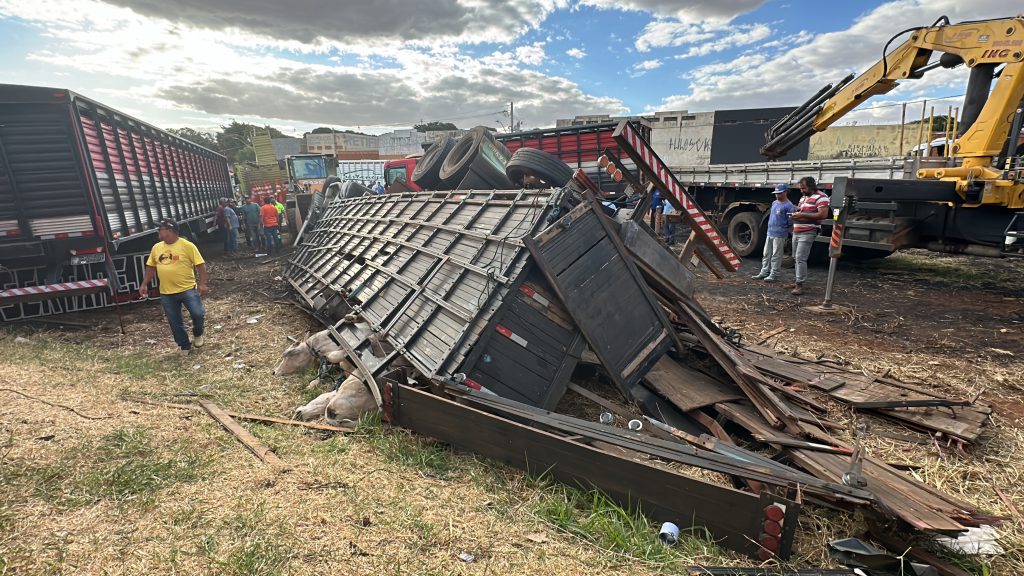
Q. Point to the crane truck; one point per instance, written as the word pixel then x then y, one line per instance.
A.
pixel 968 200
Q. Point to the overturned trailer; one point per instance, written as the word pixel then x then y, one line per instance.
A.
pixel 467 311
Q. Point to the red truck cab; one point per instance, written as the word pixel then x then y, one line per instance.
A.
pixel 395 170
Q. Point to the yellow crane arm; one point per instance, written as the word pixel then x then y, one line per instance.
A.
pixel 982 46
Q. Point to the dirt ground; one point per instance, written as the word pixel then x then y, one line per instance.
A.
pixel 94 482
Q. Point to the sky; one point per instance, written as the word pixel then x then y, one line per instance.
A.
pixel 380 65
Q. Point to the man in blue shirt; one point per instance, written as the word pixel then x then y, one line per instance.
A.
pixel 779 226
pixel 657 203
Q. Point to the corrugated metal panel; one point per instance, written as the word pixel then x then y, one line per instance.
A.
pixel 63 225
pixel 426 270
pixel 44 181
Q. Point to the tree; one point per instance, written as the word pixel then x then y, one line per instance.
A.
pixel 204 139
pixel 324 130
pixel 235 140
pixel 435 125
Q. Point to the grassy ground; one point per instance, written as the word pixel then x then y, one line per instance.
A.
pixel 93 482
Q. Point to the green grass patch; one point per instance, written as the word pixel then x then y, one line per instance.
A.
pixel 124 467
pixel 592 516
pixel 940 268
pixel 248 544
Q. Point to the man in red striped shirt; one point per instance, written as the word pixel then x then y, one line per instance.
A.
pixel 812 209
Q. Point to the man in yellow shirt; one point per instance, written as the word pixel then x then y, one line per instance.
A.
pixel 174 261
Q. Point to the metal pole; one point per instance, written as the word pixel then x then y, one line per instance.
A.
pixel 511 116
pixel 903 125
pixel 946 134
pixel 835 247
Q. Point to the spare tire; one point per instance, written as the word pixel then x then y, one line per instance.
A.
pixel 532 163
pixel 477 161
pixel 427 174
pixel 352 189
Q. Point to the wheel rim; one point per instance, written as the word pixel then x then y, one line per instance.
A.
pixel 744 234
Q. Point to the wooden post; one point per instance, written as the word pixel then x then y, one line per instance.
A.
pixel 920 127
pixel 931 122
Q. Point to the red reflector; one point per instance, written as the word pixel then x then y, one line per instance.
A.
pixel 526 290
pixel 473 384
pixel 61 235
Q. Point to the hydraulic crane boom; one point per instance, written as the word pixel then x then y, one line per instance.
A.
pixel 983 46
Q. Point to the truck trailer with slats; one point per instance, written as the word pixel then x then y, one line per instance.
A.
pixel 83 189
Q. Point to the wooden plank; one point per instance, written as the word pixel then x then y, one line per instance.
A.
pixel 244 436
pixel 916 503
pixel 732 518
pixel 687 388
pixel 250 417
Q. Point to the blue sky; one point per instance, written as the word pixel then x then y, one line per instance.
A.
pixel 385 64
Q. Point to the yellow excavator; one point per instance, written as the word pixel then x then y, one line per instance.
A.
pixel 979 185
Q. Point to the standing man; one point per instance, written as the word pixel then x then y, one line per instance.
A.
pixel 657 205
pixel 779 228
pixel 271 235
pixel 231 241
pixel 174 261
pixel 812 209
pixel 251 218
pixel 221 220
pixel 378 188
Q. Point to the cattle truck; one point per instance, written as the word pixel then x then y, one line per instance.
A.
pixel 83 189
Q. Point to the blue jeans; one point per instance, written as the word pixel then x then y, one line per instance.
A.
pixel 271 238
pixel 802 243
pixel 172 309
pixel 771 261
pixel 231 240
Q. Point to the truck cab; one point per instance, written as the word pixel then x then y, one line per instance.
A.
pixel 395 170
pixel 307 172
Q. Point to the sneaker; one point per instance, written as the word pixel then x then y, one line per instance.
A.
pixel 184 352
pixel 770 279
pixel 757 277
pixel 790 285
pixel 198 341
pixel 798 290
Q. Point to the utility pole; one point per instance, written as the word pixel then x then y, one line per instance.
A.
pixel 511 116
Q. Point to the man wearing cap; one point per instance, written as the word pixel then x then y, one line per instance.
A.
pixel 779 227
pixel 812 209
pixel 174 261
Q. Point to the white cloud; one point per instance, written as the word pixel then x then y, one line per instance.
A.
pixel 791 77
pixel 575 53
pixel 532 54
pixel 175 70
pixel 734 38
pixel 647 65
pixel 692 10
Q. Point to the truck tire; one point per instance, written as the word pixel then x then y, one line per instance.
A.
pixel 427 174
pixel 745 234
pixel 351 189
pixel 527 162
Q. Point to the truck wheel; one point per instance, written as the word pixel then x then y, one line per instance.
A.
pixel 427 174
pixel 530 162
pixel 745 235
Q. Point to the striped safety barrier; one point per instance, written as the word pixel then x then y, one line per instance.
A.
pixel 648 161
pixel 46 291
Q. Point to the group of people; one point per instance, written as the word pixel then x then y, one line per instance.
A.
pixel 261 223
pixel 802 221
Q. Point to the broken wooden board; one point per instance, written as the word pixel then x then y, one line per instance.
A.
pixel 244 436
pixel 250 417
pixel 687 388
pixel 732 518
pixel 964 422
pixel 919 505
pixel 584 261
pixel 661 268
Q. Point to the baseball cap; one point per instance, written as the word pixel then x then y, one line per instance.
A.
pixel 781 188
pixel 170 225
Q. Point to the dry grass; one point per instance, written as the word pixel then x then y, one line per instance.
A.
pixel 190 500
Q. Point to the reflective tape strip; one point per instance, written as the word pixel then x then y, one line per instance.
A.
pixel 53 288
pixel 511 335
pixel 533 294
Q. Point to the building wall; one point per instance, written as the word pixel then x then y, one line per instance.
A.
pixel 401 143
pixel 287 147
pixel 862 142
pixel 340 142
pixel 682 138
